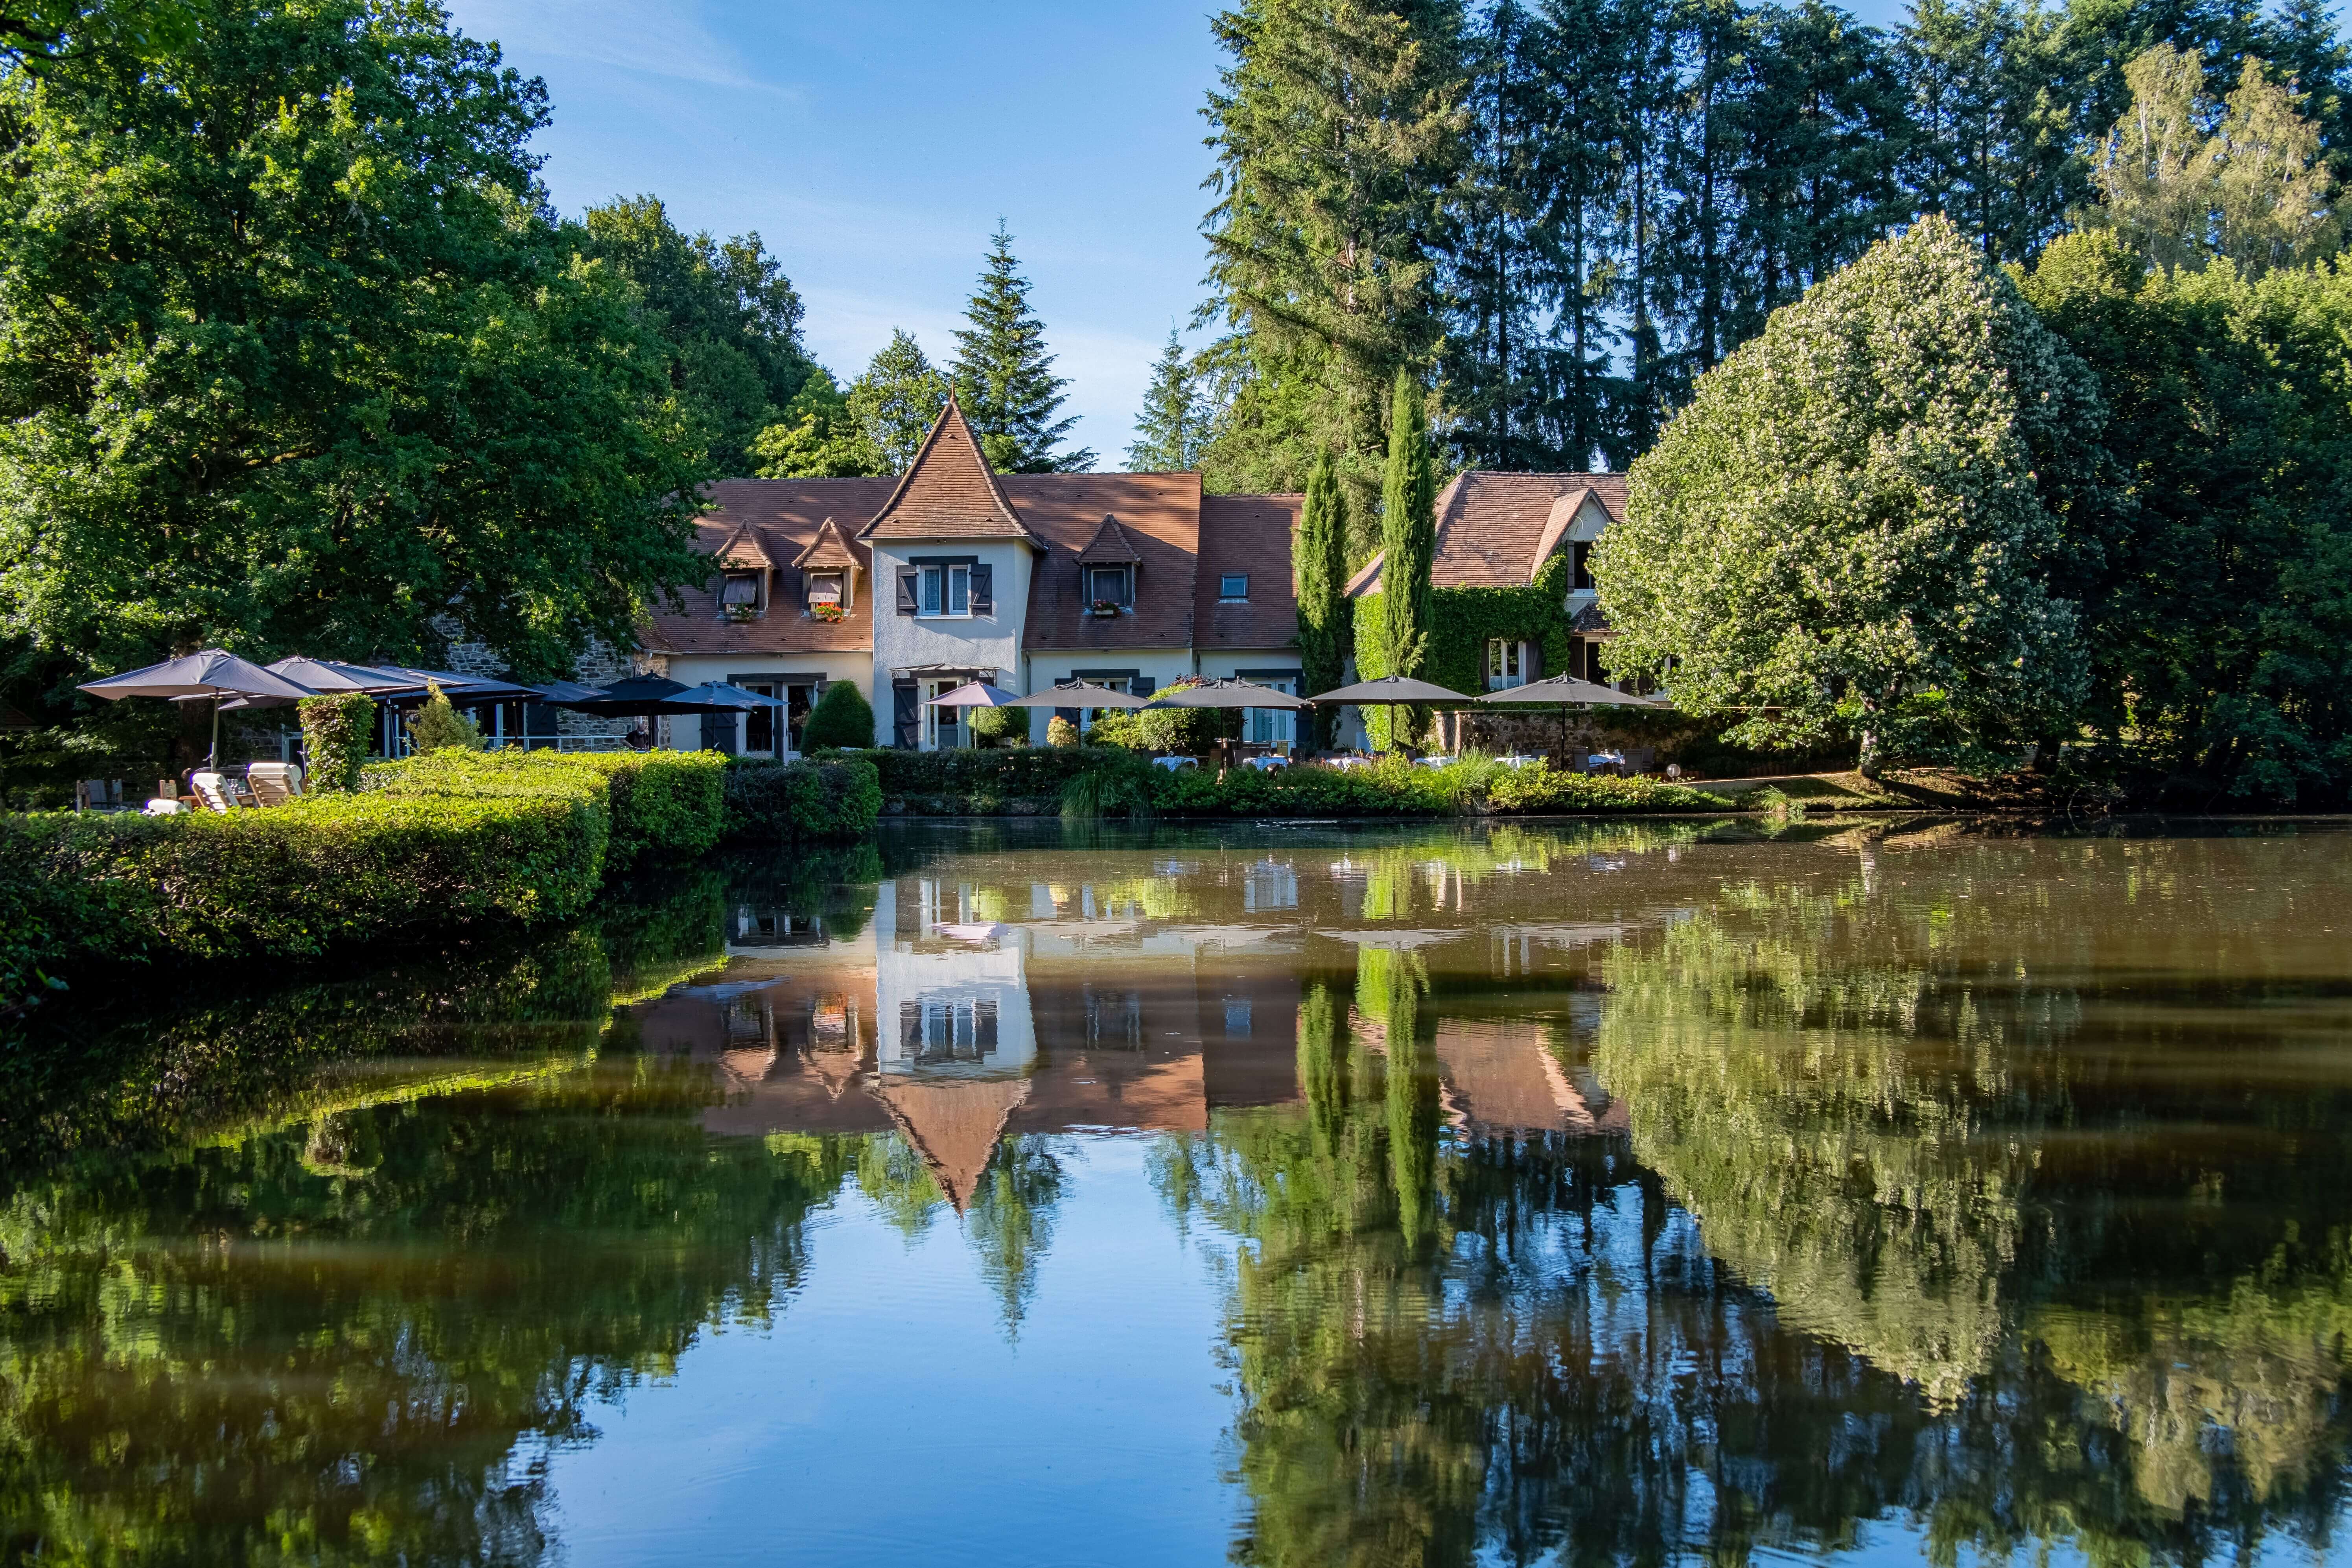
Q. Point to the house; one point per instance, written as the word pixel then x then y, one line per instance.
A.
pixel 950 573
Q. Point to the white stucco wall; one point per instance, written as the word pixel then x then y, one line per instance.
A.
pixel 930 966
pixel 854 666
pixel 983 642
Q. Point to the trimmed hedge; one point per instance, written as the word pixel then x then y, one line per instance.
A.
pixel 668 802
pixel 291 881
pixel 1026 772
pixel 831 798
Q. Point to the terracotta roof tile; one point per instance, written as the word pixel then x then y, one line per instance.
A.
pixel 784 517
pixel 1492 526
pixel 830 550
pixel 948 492
pixel 1160 517
pixel 743 549
pixel 1250 535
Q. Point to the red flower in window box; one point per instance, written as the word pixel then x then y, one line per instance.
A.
pixel 1106 607
pixel 828 612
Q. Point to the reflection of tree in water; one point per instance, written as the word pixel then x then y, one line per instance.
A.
pixel 1011 1223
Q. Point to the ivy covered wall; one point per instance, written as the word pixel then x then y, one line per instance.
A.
pixel 1467 620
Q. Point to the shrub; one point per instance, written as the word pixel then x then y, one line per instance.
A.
pixel 666 803
pixel 290 882
pixel 1030 772
pixel 1060 731
pixel 842 718
pixel 1393 787
pixel 997 726
pixel 1119 784
pixel 836 798
pixel 336 735
pixel 1117 728
pixel 1188 730
pixel 1540 787
pixel 437 726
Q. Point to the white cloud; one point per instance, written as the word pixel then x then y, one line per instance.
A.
pixel 653 39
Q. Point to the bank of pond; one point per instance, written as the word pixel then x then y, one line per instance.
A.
pixel 455 838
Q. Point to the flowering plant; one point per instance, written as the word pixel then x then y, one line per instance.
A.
pixel 741 612
pixel 1106 607
pixel 827 610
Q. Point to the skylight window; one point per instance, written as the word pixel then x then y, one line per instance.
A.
pixel 1233 585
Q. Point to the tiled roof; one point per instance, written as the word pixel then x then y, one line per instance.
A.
pixel 743 549
pixel 784 517
pixel 1491 527
pixel 948 491
pixel 1249 534
pixel 830 550
pixel 1109 546
pixel 1160 517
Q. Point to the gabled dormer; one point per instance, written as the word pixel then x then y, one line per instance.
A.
pixel 1107 568
pixel 828 570
pixel 746 572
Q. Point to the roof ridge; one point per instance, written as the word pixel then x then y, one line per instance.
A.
pixel 952 412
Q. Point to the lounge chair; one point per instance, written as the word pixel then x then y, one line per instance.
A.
pixel 215 792
pixel 274 783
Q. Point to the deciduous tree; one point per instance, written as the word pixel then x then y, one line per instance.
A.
pixel 897 400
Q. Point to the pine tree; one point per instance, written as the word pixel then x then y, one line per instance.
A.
pixel 897 400
pixel 1336 128
pixel 1996 150
pixel 1318 555
pixel 1004 378
pixel 1174 423
pixel 1408 531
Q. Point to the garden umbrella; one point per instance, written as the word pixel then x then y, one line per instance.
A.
pixel 1229 693
pixel 640 697
pixel 717 697
pixel 1394 691
pixel 976 694
pixel 1078 694
pixel 214 673
pixel 457 688
pixel 568 691
pixel 1567 692
pixel 326 676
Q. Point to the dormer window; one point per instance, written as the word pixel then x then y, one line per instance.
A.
pixel 1110 588
pixel 828 594
pixel 739 595
pixel 1580 567
pixel 1233 587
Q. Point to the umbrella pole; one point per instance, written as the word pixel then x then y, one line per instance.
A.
pixel 212 758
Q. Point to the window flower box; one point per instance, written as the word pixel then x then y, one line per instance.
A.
pixel 1104 607
pixel 739 614
pixel 824 610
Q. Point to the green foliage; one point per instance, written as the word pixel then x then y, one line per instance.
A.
pixel 1060 731
pixel 1187 731
pixel 658 802
pixel 1119 784
pixel 836 798
pixel 2211 572
pixel 1408 531
pixel 1004 377
pixel 337 732
pixel 998 726
pixel 322 872
pixel 436 725
pixel 1394 788
pixel 1172 427
pixel 1318 555
pixel 896 401
pixel 1028 772
pixel 728 317
pixel 295 363
pixel 1117 727
pixel 842 718
pixel 2256 190
pixel 1539 787
pixel 1850 528
pixel 815 438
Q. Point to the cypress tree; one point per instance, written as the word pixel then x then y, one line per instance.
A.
pixel 1174 423
pixel 1319 555
pixel 1408 532
pixel 1004 378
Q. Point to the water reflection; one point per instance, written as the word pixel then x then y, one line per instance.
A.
pixel 1581 1195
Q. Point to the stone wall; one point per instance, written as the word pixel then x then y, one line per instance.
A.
pixel 600 665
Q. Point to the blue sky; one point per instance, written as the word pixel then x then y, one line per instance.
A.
pixel 874 145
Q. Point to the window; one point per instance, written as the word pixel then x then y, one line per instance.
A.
pixel 824 588
pixel 1107 585
pixel 944 725
pixel 947 590
pixel 1233 585
pixel 740 588
pixel 1506 664
pixel 1582 552
pixel 1271 726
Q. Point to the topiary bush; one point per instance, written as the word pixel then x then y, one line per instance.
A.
pixel 336 735
pixel 842 718
pixel 1060 731
pixel 660 802
pixel 793 802
pixel 437 726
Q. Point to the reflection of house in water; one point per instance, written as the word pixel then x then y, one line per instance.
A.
pixel 966 1011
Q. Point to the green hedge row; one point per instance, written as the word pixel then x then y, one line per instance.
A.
pixel 290 882
pixel 1025 771
pixel 1392 787
pixel 665 802
pixel 833 797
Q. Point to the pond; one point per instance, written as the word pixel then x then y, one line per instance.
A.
pixel 1576 1192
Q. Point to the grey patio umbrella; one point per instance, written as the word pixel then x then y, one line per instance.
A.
pixel 1078 694
pixel 639 696
pixel 1230 693
pixel 568 691
pixel 1394 691
pixel 1566 691
pixel 717 697
pixel 323 674
pixel 976 694
pixel 214 673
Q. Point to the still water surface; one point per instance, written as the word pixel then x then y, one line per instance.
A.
pixel 1629 1192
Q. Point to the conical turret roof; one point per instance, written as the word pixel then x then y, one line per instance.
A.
pixel 948 491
